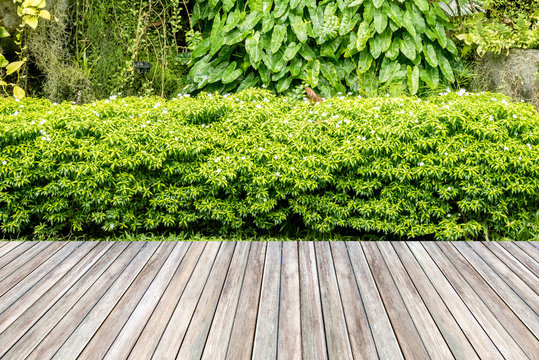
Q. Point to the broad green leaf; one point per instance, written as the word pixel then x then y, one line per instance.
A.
pixel 394 12
pixel 445 66
pixel 375 46
pixel 451 47
pixel 330 48
pixel 330 73
pixel 254 47
pixel 430 55
pixel 3 32
pixel 408 20
pixel 364 33
pixel 250 21
pixel 378 3
pixel 355 3
pixel 365 62
pixel 307 53
pixel 295 66
pixel 284 84
pixel 280 7
pixel 18 92
pixel 216 37
pixel 249 82
pixel 279 32
pixel 386 39
pixel 430 76
pixel 348 24
pixel 233 20
pixel 44 14
pixel 14 66
pixel 279 76
pixel 300 29
pixel 30 21
pixel 313 71
pixel 291 51
pixel 380 20
pixel 407 46
pixel 202 48
pixel 368 11
pixel 423 5
pixel 440 34
pixel 419 19
pixel 438 10
pixel 229 77
pixel 388 70
pixel 295 3
pixel 268 22
pixel 413 79
pixel 228 5
pixel 256 5
pixel 393 51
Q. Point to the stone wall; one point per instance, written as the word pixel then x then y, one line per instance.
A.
pixel 514 75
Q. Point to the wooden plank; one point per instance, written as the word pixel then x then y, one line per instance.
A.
pixel 126 339
pixel 16 252
pixel 85 329
pixel 76 314
pixel 515 282
pixel 197 332
pixel 531 250
pixel 20 303
pixel 34 270
pixel 221 327
pixel 24 265
pixel 361 340
pixel 521 256
pixel 516 266
pixel 179 321
pixel 56 312
pixel 424 323
pixel 289 337
pixel 511 298
pixel 383 334
pixel 495 330
pixel 148 340
pixel 97 346
pixel 453 335
pixel 241 341
pixel 338 343
pixel 477 336
pixel 312 321
pixel 409 338
pixel 8 246
pixel 267 323
pixel 24 321
pixel 503 313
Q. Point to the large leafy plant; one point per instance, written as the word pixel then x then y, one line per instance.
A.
pixel 334 46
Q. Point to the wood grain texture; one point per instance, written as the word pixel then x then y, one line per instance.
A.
pixel 382 331
pixel 151 334
pixel 221 327
pixel 338 343
pixel 241 341
pixel 522 256
pixel 267 323
pixel 312 321
pixel 16 252
pixel 8 246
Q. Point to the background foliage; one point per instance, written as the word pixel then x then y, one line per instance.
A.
pixel 334 46
pixel 458 166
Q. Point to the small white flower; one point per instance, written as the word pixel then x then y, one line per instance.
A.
pixel 243 157
pixel 376 116
pixel 515 116
pixel 4 162
pixel 176 138
pixel 276 157
pixel 449 188
pixel 260 149
pixel 106 101
pixel 292 168
pixel 43 121
pixel 32 122
pixel 218 171
pixel 157 105
pixel 54 104
pixel 520 157
pixel 493 99
pixel 15 113
pixel 348 141
pixel 529 146
pixel 228 158
pixel 448 215
pixel 304 158
pixel 265 200
pixel 378 138
pixel 505 148
pixel 516 134
pixel 446 154
pixel 217 159
pixel 421 163
pixel 277 174
pixel 337 126
pixel 491 117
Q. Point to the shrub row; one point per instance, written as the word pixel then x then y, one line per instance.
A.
pixel 450 167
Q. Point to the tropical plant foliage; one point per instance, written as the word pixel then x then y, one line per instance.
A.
pixel 334 46
pixel 453 167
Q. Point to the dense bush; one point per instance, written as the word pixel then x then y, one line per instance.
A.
pixel 334 46
pixel 456 166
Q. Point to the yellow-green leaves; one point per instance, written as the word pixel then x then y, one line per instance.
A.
pixel 18 92
pixel 3 32
pixel 413 79
pixel 13 67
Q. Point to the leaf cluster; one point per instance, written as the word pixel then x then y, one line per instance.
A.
pixel 447 167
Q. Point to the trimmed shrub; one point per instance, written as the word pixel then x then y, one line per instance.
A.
pixel 455 166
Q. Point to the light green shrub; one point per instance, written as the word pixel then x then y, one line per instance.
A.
pixel 445 168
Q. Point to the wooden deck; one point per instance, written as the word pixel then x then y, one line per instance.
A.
pixel 291 300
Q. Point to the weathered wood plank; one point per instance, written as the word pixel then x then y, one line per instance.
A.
pixel 148 340
pixel 105 335
pixel 531 250
pixel 267 323
pixel 522 256
pixel 197 332
pixel 15 253
pixel 21 281
pixel 409 339
pixel 7 246
pixel 424 323
pixel 41 326
pixel 175 331
pixel 24 322
pixel 477 336
pixel 289 338
pixel 221 327
pixel 511 298
pixel 241 341
pixel 312 322
pixel 361 341
pixel 24 299
pixel 84 331
pixel 77 313
pixel 460 347
pixel 482 312
pixel 507 318
pixel 512 279
pixel 516 266
pixel 382 331
pixel 338 343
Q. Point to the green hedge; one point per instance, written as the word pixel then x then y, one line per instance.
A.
pixel 451 167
